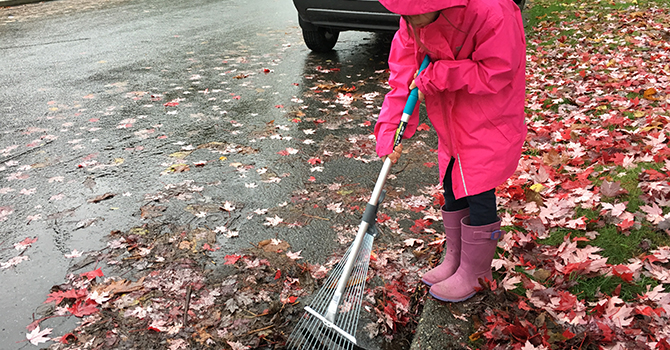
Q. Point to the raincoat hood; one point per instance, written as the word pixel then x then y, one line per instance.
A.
pixel 417 7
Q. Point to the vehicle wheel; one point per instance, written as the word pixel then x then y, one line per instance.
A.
pixel 520 3
pixel 320 39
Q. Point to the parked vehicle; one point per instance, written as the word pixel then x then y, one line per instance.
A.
pixel 323 20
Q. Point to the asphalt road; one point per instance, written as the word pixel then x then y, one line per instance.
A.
pixel 110 110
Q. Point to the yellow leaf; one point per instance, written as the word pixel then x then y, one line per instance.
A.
pixel 537 187
pixel 139 231
pixel 180 155
pixel 119 161
pixel 475 336
pixel 649 94
pixel 222 158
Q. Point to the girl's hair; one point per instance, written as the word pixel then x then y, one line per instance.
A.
pixel 412 29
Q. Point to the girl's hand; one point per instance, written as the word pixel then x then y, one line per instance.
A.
pixel 413 85
pixel 396 154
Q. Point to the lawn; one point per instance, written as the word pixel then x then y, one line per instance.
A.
pixel 587 213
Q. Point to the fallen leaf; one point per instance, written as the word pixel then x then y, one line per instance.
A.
pixel 273 245
pixel 101 197
pixel 38 336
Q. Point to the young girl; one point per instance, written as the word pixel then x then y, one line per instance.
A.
pixel 474 89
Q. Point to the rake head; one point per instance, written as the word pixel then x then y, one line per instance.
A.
pixel 314 331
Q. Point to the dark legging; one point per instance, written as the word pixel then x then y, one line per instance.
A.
pixel 482 206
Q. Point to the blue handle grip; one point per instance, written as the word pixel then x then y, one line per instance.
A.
pixel 414 94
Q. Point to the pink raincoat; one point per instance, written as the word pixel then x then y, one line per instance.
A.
pixel 474 87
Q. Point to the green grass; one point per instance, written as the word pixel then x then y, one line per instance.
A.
pixel 589 288
pixel 546 12
pixel 618 247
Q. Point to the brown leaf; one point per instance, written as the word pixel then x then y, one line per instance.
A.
pixel 180 168
pixel 535 225
pixel 532 196
pixel 612 189
pixel 101 197
pixel 273 246
pixel 201 335
pixel 152 211
pixel 553 158
pixel 122 286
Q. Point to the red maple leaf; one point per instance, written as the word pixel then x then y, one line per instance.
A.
pixel 423 127
pixel 231 259
pixel 655 175
pixel 624 272
pixel 568 335
pixel 663 344
pixel 278 274
pixel 439 199
pixel 83 308
pixel 207 247
pixel 58 296
pixel 608 335
pixel 25 243
pixel 314 161
pixel 381 217
pixel 626 224
pixel 576 267
pixel 63 339
pixel 567 301
pixel 420 225
pixel 644 310
pixel 92 274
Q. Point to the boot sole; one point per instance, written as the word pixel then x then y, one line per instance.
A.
pixel 427 283
pixel 452 300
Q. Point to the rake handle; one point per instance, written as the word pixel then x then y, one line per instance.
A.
pixel 369 215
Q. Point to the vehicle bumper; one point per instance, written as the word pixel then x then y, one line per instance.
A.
pixel 364 15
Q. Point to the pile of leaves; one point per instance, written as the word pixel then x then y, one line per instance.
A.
pixel 172 296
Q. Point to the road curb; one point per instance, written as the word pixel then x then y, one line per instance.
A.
pixel 438 329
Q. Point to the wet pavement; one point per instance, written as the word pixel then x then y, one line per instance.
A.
pixel 200 114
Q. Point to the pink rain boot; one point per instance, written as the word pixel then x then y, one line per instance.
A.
pixel 452 254
pixel 478 246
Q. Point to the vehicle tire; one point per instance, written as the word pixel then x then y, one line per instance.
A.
pixel 320 39
pixel 520 3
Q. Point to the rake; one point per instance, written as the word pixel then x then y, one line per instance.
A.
pixel 330 321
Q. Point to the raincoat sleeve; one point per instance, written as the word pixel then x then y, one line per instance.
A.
pixel 402 65
pixel 493 64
